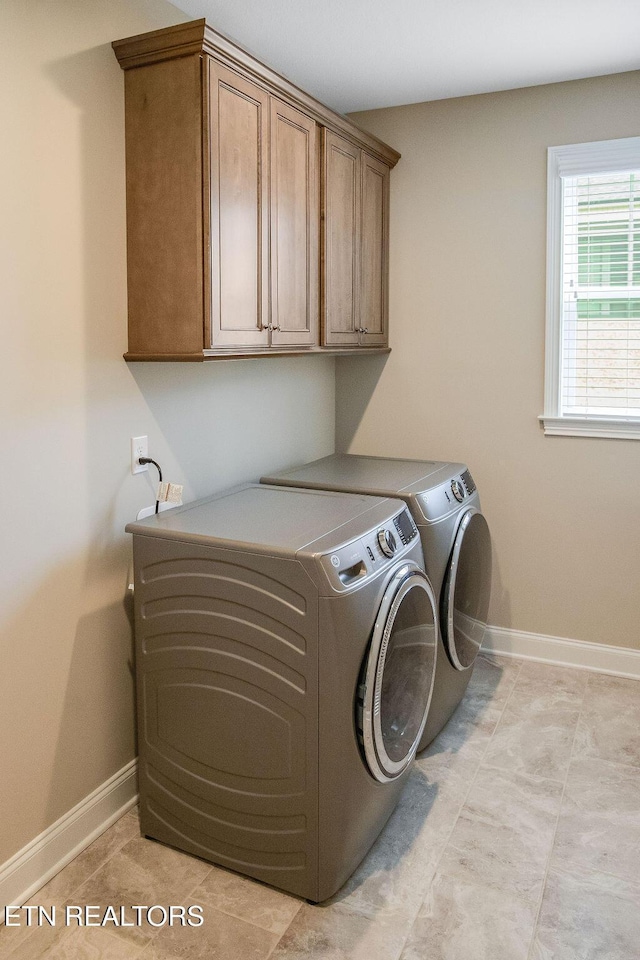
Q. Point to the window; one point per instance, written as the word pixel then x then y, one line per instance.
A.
pixel 592 378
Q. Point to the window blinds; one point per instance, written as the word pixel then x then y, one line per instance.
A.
pixel 600 353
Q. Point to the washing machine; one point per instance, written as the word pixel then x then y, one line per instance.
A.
pixel 445 505
pixel 286 644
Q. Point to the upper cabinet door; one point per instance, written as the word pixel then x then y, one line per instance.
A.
pixel 239 210
pixel 374 221
pixel 341 241
pixel 294 227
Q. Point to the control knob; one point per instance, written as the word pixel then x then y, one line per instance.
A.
pixel 457 490
pixel 387 542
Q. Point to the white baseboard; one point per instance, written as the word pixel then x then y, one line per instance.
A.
pixel 56 846
pixel 617 661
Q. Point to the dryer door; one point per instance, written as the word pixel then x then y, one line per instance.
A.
pixel 466 591
pixel 397 682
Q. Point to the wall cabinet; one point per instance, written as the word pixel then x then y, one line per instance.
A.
pixel 225 252
pixel 263 217
pixel 238 212
pixel 294 227
pixel 355 245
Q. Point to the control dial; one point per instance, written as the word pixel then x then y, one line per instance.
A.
pixel 387 542
pixel 457 490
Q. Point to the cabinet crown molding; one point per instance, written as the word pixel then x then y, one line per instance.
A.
pixel 197 37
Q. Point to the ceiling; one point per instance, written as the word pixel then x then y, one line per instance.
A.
pixel 361 54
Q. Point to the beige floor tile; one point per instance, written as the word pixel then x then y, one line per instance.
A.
pixel 537 728
pixel 537 744
pixel 33 943
pixel 394 876
pixel 588 917
pixel 470 728
pixel 9 938
pixel 220 936
pixel 609 726
pixel 450 776
pixel 505 796
pixel 80 869
pixel 504 834
pixel 143 873
pixel 462 921
pixel 461 737
pixel 494 676
pixel 545 686
pixel 337 933
pixel 92 943
pixel 599 825
pixel 66 881
pixel 248 900
pixel 449 770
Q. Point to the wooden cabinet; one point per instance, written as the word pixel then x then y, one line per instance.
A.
pixel 263 216
pixel 374 251
pixel 294 227
pixel 355 245
pixel 238 212
pixel 223 208
pixel 341 241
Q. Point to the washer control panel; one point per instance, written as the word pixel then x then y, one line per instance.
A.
pixel 457 490
pixel 387 542
pixel 406 528
pixel 354 562
pixel 444 499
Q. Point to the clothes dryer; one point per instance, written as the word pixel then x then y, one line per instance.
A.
pixel 444 503
pixel 285 657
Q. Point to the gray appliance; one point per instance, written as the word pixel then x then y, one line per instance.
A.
pixel 285 658
pixel 445 505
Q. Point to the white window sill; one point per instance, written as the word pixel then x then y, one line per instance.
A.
pixel 614 429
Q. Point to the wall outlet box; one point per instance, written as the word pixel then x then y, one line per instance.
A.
pixel 139 448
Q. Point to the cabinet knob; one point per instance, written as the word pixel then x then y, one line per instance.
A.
pixel 277 327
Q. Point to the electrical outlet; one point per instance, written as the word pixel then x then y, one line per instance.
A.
pixel 139 448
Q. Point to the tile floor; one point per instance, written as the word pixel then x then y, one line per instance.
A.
pixel 517 838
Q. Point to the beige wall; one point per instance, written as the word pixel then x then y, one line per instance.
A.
pixel 70 404
pixel 464 380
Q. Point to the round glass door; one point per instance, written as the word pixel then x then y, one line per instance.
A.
pixel 466 592
pixel 397 684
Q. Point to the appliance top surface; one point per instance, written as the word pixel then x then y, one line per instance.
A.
pixel 273 519
pixel 380 476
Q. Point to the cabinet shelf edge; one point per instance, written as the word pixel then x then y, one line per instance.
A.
pixel 253 354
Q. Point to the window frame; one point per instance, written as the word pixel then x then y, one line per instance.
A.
pixel 572 160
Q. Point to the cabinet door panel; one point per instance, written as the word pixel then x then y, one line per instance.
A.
pixel 294 227
pixel 374 270
pixel 341 246
pixel 239 210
